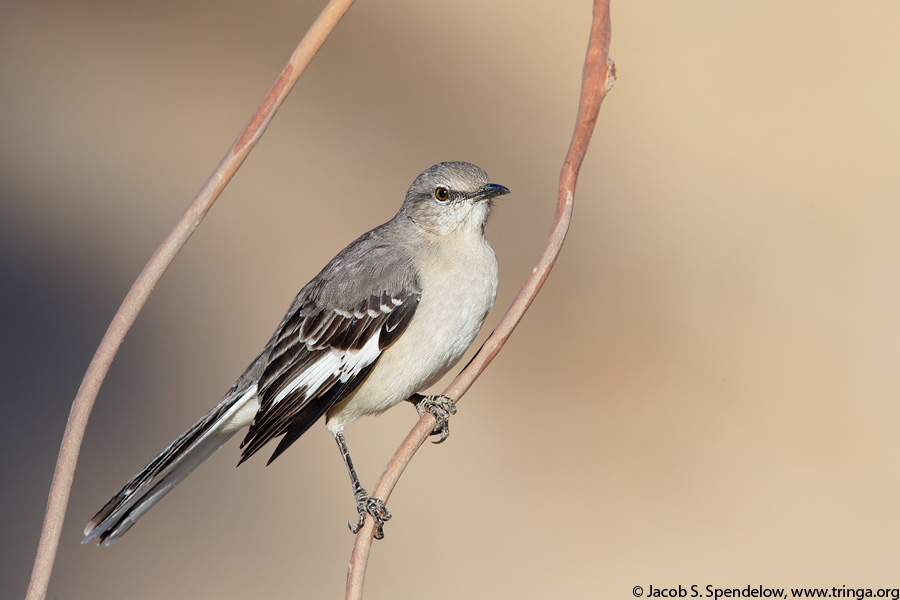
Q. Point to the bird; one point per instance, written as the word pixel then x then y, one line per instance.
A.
pixel 386 318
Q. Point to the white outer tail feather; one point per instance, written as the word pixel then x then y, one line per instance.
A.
pixel 132 504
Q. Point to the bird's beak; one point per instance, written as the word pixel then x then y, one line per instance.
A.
pixel 488 191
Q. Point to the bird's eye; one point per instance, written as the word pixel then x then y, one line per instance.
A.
pixel 442 194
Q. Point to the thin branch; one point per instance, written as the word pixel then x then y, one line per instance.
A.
pixel 598 78
pixel 61 486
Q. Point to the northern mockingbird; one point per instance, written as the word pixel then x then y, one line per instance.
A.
pixel 386 318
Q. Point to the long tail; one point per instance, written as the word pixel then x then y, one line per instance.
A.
pixel 174 464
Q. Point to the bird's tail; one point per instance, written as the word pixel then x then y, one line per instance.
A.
pixel 174 464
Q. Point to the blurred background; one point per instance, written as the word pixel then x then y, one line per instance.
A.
pixel 705 393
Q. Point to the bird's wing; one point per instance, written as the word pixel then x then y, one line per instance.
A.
pixel 319 356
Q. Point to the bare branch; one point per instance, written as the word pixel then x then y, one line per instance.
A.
pixel 61 486
pixel 598 78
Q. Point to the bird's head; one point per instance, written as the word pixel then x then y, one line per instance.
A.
pixel 450 196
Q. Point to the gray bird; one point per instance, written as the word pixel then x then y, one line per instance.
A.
pixel 385 319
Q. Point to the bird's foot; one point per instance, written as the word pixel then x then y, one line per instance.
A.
pixel 366 504
pixel 441 407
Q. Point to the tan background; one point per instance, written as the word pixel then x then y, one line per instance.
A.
pixel 705 393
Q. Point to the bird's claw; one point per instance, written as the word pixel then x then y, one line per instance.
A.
pixel 366 504
pixel 441 407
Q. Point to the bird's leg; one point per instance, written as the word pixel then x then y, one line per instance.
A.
pixel 441 407
pixel 364 502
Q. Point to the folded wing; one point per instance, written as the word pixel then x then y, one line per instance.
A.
pixel 318 358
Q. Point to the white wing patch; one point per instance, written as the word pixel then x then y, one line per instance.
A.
pixel 343 364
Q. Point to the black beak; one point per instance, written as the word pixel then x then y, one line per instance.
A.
pixel 490 190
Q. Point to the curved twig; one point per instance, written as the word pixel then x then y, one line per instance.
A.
pixel 598 78
pixel 61 486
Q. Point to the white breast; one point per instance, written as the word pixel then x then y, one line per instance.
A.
pixel 459 286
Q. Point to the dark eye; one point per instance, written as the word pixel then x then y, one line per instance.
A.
pixel 442 194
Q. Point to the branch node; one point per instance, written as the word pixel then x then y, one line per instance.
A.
pixel 610 75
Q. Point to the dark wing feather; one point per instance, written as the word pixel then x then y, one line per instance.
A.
pixel 317 407
pixel 315 337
